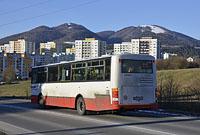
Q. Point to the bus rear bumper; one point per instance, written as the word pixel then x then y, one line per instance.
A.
pixel 153 106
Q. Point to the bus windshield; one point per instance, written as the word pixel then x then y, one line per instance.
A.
pixel 137 66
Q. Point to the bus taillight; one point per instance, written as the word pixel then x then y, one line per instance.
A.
pixel 115 95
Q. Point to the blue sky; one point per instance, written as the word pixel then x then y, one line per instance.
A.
pixel 99 15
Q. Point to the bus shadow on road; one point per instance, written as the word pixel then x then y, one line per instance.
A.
pixel 150 113
pixel 109 126
pixel 19 106
pixel 139 113
pixel 11 105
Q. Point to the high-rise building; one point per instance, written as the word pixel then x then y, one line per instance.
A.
pixel 1 48
pixel 49 47
pixel 144 45
pixel 20 64
pixel 43 59
pixel 89 48
pixel 6 48
pixel 20 46
pixel 1 66
pixel 68 47
pixel 122 48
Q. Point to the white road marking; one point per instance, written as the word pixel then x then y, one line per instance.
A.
pixel 98 121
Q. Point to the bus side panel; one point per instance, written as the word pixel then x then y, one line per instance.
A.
pixel 96 104
pixel 95 94
pixel 56 94
pixel 100 103
pixel 60 101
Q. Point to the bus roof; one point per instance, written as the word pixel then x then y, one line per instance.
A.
pixel 124 55
pixel 63 62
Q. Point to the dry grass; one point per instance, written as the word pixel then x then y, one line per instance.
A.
pixel 186 78
pixel 20 89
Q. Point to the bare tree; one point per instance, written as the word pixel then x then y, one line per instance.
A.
pixel 9 74
pixel 170 88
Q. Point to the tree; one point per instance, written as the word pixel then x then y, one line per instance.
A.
pixel 168 87
pixel 172 87
pixel 172 63
pixel 27 63
pixel 9 74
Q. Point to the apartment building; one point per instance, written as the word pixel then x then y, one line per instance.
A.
pixel 124 47
pixel 68 48
pixel 20 46
pixel 144 45
pixel 89 48
pixel 49 47
pixel 1 48
pixel 20 63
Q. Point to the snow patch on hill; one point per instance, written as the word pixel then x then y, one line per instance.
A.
pixel 154 29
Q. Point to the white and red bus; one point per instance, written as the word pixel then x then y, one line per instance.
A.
pixel 124 81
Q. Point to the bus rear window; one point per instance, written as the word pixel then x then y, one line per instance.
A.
pixel 137 66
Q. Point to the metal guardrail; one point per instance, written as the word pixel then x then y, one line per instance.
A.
pixel 181 98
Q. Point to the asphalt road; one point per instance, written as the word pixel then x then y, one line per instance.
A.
pixel 20 117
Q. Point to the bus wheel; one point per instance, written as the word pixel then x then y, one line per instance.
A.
pixel 41 101
pixel 80 106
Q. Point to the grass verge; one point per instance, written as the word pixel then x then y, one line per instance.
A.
pixel 20 89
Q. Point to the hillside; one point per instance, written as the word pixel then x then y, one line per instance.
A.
pixel 170 41
pixel 61 33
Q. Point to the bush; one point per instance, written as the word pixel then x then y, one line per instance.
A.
pixel 168 87
pixel 176 63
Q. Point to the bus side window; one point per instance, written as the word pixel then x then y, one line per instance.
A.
pixel 107 69
pixel 79 72
pixel 95 71
pixel 64 70
pixel 52 73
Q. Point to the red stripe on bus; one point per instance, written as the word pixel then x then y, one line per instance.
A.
pixel 100 103
pixel 60 101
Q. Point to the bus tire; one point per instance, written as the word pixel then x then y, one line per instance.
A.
pixel 41 101
pixel 80 106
